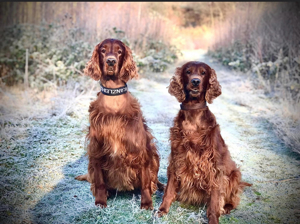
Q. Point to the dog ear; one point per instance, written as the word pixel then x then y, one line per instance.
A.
pixel 176 85
pixel 213 87
pixel 129 69
pixel 92 67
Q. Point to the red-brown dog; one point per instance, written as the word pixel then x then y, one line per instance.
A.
pixel 200 167
pixel 121 151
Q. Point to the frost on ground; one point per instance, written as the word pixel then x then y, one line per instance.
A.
pixel 42 140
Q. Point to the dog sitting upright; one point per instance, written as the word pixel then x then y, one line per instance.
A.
pixel 121 151
pixel 200 167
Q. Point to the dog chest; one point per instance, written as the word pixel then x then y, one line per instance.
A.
pixel 196 175
pixel 118 131
pixel 194 160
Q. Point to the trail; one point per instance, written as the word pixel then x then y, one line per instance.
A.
pixel 41 154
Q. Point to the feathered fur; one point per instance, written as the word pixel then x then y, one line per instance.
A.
pixel 121 151
pixel 200 169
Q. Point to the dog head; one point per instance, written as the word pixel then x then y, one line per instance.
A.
pixel 111 60
pixel 194 80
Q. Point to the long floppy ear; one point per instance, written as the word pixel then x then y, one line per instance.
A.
pixel 129 69
pixel 92 67
pixel 213 87
pixel 176 86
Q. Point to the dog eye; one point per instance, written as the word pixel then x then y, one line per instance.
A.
pixel 103 50
pixel 119 52
pixel 203 73
pixel 188 72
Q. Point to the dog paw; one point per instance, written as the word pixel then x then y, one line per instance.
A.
pixel 161 212
pixel 213 220
pixel 100 203
pixel 147 205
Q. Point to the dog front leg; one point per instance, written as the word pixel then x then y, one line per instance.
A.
pixel 213 210
pixel 98 185
pixel 169 195
pixel 146 200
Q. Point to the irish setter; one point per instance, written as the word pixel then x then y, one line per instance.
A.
pixel 121 152
pixel 200 169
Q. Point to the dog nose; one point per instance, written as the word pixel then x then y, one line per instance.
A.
pixel 195 82
pixel 111 61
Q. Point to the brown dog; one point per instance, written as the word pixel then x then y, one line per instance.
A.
pixel 200 167
pixel 121 151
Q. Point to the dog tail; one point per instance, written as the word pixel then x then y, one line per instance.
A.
pixel 160 185
pixel 83 177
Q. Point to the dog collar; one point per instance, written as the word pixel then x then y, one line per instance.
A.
pixel 193 107
pixel 115 91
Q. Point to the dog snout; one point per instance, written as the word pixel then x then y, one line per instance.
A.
pixel 111 61
pixel 195 82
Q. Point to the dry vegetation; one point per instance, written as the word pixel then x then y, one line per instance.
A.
pixel 262 39
pixel 59 43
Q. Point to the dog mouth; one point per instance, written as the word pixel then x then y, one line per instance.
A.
pixel 110 70
pixel 194 92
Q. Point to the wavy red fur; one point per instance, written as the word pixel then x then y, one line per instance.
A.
pixel 201 170
pixel 121 151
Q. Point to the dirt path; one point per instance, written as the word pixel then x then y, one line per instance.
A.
pixel 42 155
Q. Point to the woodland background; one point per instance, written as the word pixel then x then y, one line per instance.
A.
pixel 261 39
pixel 259 36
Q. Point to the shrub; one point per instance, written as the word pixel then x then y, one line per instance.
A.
pixel 57 54
pixel 155 55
